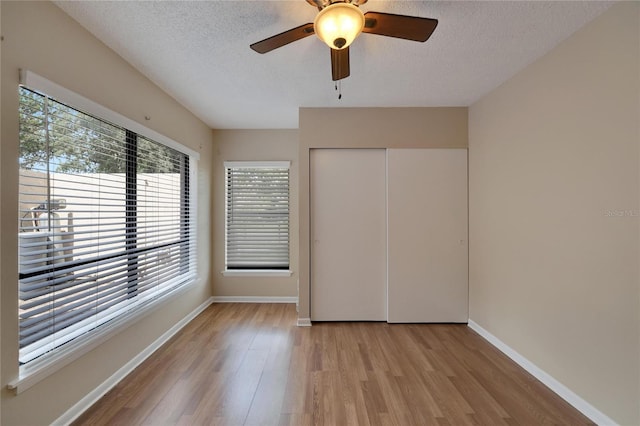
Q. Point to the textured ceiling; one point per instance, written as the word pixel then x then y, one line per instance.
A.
pixel 198 52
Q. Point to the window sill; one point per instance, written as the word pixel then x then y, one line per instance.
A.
pixel 256 273
pixel 31 374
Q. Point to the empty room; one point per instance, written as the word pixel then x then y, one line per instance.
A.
pixel 320 212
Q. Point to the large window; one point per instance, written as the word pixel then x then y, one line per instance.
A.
pixel 105 224
pixel 257 216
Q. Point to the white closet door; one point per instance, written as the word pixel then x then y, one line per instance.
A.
pixel 348 235
pixel 427 211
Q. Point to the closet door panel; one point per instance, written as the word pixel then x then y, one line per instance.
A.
pixel 348 235
pixel 427 235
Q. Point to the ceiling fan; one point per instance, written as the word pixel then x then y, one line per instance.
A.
pixel 339 22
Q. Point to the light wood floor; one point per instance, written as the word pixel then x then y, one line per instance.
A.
pixel 248 364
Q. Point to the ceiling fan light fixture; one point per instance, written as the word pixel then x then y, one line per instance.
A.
pixel 339 24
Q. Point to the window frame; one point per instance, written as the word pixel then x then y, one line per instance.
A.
pixel 36 370
pixel 256 272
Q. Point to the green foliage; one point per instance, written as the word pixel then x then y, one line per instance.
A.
pixel 80 143
pixel 156 158
pixel 32 130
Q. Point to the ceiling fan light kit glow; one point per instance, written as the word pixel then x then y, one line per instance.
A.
pixel 339 22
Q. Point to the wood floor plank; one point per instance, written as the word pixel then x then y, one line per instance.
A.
pixel 249 364
pixel 266 405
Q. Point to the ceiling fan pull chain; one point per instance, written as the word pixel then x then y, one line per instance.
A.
pixel 338 88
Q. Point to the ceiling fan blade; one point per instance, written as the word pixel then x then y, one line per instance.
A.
pixel 340 63
pixel 279 40
pixel 399 26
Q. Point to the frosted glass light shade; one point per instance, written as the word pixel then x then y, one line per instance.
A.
pixel 339 24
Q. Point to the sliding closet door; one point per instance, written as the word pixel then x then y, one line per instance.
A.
pixel 348 235
pixel 427 211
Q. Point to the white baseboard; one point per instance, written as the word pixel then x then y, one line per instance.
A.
pixel 304 322
pixel 563 392
pixel 81 406
pixel 254 299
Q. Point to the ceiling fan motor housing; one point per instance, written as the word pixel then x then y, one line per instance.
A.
pixel 321 4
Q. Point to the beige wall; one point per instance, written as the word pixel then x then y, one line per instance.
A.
pixel 40 37
pixel 552 152
pixel 367 128
pixel 553 162
pixel 253 145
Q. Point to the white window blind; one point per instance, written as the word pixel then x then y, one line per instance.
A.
pixel 105 223
pixel 257 215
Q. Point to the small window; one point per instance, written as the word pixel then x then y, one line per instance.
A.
pixel 257 216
